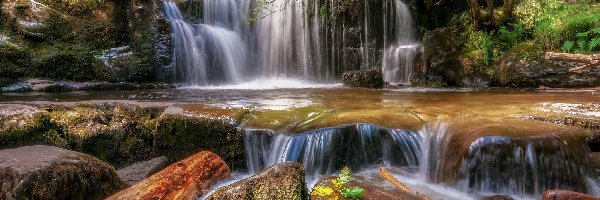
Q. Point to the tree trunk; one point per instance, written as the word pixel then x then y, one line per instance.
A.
pixel 475 13
pixel 185 179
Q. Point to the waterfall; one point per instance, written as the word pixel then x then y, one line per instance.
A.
pixel 324 151
pixel 207 53
pixel 398 56
pixel 301 39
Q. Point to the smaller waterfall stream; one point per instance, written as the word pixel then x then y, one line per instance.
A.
pixel 325 151
pixel 399 56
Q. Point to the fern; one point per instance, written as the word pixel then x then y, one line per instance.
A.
pixel 568 46
pixel 594 43
pixel 581 43
pixel 595 30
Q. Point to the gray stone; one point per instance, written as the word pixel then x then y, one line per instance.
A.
pixel 137 172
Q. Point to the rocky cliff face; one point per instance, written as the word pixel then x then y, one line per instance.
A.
pixel 68 40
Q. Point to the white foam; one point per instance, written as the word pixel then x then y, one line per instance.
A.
pixel 268 84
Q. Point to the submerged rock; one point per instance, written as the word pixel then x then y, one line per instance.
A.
pixel 45 172
pixel 566 195
pixel 137 172
pixel 369 78
pixel 186 179
pixel 280 181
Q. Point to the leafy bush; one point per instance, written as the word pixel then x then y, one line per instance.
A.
pixel 560 22
pixel 587 42
pixel 338 184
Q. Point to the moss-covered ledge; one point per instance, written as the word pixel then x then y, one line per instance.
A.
pixel 121 134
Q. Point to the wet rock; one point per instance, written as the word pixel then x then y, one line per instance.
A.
pixel 372 192
pixel 186 179
pixel 594 158
pixel 45 172
pixel 137 172
pixel 369 78
pixel 566 195
pixel 498 197
pixel 280 181
pixel 468 149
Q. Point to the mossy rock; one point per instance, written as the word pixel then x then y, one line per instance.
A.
pixel 14 61
pixel 45 172
pixel 369 78
pixel 121 134
pixel 280 181
pixel 72 65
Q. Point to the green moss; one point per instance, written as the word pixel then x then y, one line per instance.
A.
pixel 72 65
pixel 179 136
pixel 37 130
pixel 14 62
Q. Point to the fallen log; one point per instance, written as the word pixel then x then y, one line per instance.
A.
pixel 400 185
pixel 579 58
pixel 186 179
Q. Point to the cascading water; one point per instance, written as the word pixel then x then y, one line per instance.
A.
pixel 324 151
pixel 306 39
pixel 521 167
pixel 399 55
pixel 209 53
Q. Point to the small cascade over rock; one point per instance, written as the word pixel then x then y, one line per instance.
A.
pixel 325 151
pixel 503 158
pixel 515 157
pixel 399 54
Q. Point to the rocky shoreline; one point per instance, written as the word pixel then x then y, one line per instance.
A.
pixel 128 136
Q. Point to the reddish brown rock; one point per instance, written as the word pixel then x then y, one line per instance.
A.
pixel 566 195
pixel 186 179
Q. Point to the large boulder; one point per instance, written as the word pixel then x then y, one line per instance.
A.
pixel 186 179
pixel 368 78
pixel 280 181
pixel 121 134
pixel 447 62
pixel 524 66
pixel 46 172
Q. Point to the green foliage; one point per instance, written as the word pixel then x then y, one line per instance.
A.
pixel 353 193
pixel 559 22
pixel 72 64
pixel 321 191
pixel 339 189
pixel 587 42
pixel 568 46
pixel 494 44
